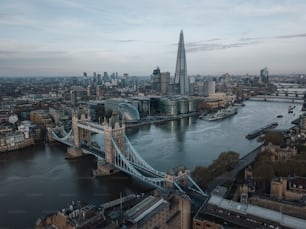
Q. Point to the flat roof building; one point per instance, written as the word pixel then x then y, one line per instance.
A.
pixel 218 212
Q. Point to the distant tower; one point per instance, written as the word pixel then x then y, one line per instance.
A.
pixel 74 99
pixel 88 90
pixel 181 77
pixel 99 93
pixel 264 75
pixel 164 82
pixel 156 79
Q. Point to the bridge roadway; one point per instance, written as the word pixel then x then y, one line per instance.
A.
pixel 93 151
pixel 93 127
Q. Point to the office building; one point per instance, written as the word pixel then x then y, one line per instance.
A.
pixel 99 92
pixel 124 107
pixel 156 80
pixel 209 87
pixel 164 82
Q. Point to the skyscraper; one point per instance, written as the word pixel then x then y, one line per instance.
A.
pixel 156 79
pixel 181 77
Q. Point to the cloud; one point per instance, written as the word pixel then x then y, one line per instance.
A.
pixel 214 39
pixel 217 46
pixel 266 8
pixel 7 52
pixel 288 36
pixel 13 50
pixel 302 35
pixel 245 41
pixel 125 41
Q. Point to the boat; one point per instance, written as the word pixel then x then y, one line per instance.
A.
pixel 239 104
pixel 279 116
pixel 261 131
pixel 290 109
pixel 221 114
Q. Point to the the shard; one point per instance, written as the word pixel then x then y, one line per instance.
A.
pixel 181 78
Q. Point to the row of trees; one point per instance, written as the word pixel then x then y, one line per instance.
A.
pixel 225 162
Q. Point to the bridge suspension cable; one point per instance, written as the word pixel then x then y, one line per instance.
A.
pixel 135 157
pixel 123 164
pixel 67 139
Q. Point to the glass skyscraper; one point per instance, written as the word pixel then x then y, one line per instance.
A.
pixel 181 77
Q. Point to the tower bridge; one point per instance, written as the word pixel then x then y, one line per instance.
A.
pixel 120 155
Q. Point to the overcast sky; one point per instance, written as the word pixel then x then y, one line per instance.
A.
pixel 68 37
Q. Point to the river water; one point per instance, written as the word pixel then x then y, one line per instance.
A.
pixel 38 180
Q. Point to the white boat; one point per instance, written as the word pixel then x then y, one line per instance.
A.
pixel 222 114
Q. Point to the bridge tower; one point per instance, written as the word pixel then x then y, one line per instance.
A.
pixel 178 175
pixel 84 135
pixel 79 135
pixel 75 150
pixel 113 130
pixel 75 129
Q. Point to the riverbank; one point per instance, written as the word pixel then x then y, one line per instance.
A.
pixel 159 120
pixel 17 146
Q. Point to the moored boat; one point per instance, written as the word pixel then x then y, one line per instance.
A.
pixel 221 114
pixel 260 131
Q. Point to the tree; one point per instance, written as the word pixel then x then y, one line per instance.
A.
pixel 225 162
pixel 276 138
pixel 201 175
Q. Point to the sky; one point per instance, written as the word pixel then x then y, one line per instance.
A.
pixel 69 37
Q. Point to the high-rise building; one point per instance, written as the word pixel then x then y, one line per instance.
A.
pixel 210 86
pixel 99 92
pixel 264 75
pixel 99 81
pixel 73 98
pixel 164 82
pixel 181 77
pixel 88 90
pixel 156 79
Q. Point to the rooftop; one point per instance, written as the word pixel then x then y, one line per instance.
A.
pixel 259 212
pixel 145 207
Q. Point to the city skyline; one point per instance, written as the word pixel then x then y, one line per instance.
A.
pixel 65 37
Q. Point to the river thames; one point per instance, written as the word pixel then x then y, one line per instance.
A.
pixel 38 180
